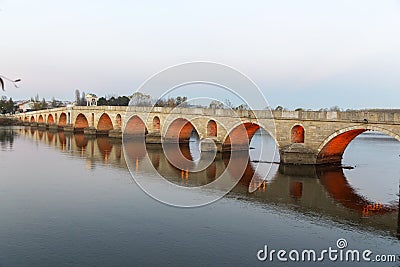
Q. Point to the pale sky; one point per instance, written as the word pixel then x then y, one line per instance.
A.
pixel 301 53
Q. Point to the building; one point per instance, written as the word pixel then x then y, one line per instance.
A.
pixel 91 100
pixel 25 106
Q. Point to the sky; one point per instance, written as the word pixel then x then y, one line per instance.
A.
pixel 301 53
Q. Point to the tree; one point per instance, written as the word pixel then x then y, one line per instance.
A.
pixel 160 103
pixel 6 106
pixel 228 103
pixel 216 105
pixel 43 104
pixel 171 102
pixel 83 100
pixel 123 101
pixel 112 102
pixel 242 107
pixel 102 101
pixel 179 101
pixel 55 103
pixel 38 105
pixel 77 97
pixel 334 108
pixel 140 99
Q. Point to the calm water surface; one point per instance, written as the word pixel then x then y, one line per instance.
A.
pixel 69 200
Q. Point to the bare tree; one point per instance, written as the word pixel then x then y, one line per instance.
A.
pixel 140 99
pixel 216 105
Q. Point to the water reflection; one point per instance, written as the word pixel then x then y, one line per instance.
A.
pixel 313 191
pixel 7 139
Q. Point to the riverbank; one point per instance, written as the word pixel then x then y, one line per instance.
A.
pixel 8 121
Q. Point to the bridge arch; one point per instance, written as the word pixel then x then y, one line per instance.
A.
pixel 81 122
pixel 32 119
pixel 105 124
pixel 212 128
pixel 62 121
pixel 239 137
pixel 297 134
pixel 50 119
pixel 135 126
pixel 180 130
pixel 40 120
pixel 332 148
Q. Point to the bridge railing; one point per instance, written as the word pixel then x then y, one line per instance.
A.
pixel 380 116
pixel 392 116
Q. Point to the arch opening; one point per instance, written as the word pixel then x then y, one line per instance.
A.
pixel 156 123
pixel 81 123
pixel 374 155
pixel 259 146
pixel 32 119
pixel 333 150
pixel 40 120
pixel 105 124
pixel 211 128
pixel 179 131
pixel 62 120
pixel 135 127
pixel 297 134
pixel 50 119
pixel 239 138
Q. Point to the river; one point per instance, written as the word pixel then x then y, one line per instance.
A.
pixel 69 200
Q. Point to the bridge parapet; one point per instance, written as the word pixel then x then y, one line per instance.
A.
pixel 369 115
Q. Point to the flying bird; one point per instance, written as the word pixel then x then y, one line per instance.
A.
pixel 2 78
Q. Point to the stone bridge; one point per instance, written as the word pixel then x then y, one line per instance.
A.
pixel 303 137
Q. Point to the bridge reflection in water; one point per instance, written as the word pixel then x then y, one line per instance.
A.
pixel 320 192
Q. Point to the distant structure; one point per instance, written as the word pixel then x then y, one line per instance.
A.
pixel 91 100
pixel 25 106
